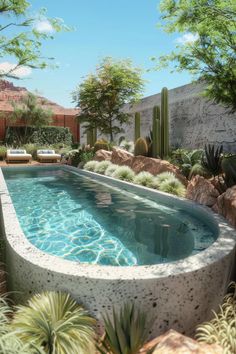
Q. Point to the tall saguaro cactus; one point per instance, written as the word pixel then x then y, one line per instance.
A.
pixel 164 123
pixel 156 132
pixel 137 124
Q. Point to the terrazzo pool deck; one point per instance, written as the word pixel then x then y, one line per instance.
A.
pixel 177 295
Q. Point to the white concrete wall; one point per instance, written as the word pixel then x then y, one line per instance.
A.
pixel 194 120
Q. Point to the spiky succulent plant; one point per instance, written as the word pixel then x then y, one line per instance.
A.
pixel 145 179
pixel 91 165
pixel 111 169
pixel 126 332
pixel 222 328
pixel 161 177
pixel 124 173
pixel 102 166
pixel 173 186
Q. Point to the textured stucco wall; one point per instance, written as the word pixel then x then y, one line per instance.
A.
pixel 194 121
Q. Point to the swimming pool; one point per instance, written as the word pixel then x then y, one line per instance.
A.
pixel 178 293
pixel 76 218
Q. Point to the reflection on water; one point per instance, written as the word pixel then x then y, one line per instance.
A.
pixel 78 219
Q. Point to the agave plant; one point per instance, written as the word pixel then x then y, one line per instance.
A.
pixel 173 186
pixel 111 169
pixel 212 159
pixel 124 173
pixel 91 165
pixel 126 333
pixel 102 166
pixel 222 328
pixel 55 322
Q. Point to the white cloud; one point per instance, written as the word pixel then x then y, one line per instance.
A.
pixel 43 26
pixel 187 38
pixel 20 72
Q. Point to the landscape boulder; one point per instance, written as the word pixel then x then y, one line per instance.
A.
pixel 173 342
pixel 156 166
pixel 121 157
pixel 202 191
pixel 101 155
pixel 226 205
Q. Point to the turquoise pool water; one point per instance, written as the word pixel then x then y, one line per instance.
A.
pixel 73 217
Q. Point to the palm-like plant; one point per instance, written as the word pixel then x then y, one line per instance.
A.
pixel 56 322
pixel 127 333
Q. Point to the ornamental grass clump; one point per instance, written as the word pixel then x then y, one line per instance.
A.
pixel 111 169
pixel 124 173
pixel 221 329
pixel 145 179
pixel 102 166
pixel 55 322
pixel 164 176
pixel 173 186
pixel 91 165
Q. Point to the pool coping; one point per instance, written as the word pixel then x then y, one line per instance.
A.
pixel 18 242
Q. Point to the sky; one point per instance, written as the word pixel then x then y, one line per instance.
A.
pixel 120 29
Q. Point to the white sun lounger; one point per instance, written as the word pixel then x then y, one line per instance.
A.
pixel 47 155
pixel 18 155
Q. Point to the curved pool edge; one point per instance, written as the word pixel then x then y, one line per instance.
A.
pixel 180 294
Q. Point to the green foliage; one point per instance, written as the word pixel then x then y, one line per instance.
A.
pixel 207 48
pixel 23 44
pixel 124 173
pixel 161 177
pixel 102 166
pixel 221 329
pixel 186 159
pixel 41 136
pixel 127 145
pixel 137 126
pixel 212 159
pixel 101 144
pixel 146 179
pixel 126 332
pixel 198 169
pixel 3 151
pixel 156 132
pixel 141 147
pixel 91 165
pixel 102 95
pixel 164 124
pixel 55 322
pixel 111 169
pixel 173 186
pixel 228 165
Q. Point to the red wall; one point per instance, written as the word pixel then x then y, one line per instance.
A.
pixel 58 120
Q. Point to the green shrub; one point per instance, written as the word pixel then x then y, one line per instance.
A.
pixel 91 165
pixel 32 149
pixel 221 329
pixel 173 186
pixel 111 169
pixel 3 151
pixel 126 332
pixel 41 136
pixel 145 179
pixel 127 145
pixel 55 322
pixel 198 169
pixel 186 159
pixel 141 147
pixel 164 176
pixel 102 166
pixel 124 173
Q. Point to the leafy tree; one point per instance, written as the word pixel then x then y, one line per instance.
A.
pixel 21 39
pixel 208 48
pixel 102 95
pixel 31 113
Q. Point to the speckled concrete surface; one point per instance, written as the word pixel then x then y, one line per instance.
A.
pixel 178 295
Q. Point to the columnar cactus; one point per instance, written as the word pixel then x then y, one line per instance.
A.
pixel 137 120
pixel 89 137
pixel 156 132
pixel 140 147
pixel 164 123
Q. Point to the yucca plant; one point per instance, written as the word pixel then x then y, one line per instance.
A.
pixel 102 166
pixel 145 179
pixel 124 173
pixel 126 333
pixel 212 159
pixel 173 186
pixel 222 328
pixel 111 169
pixel 55 322
pixel 90 165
